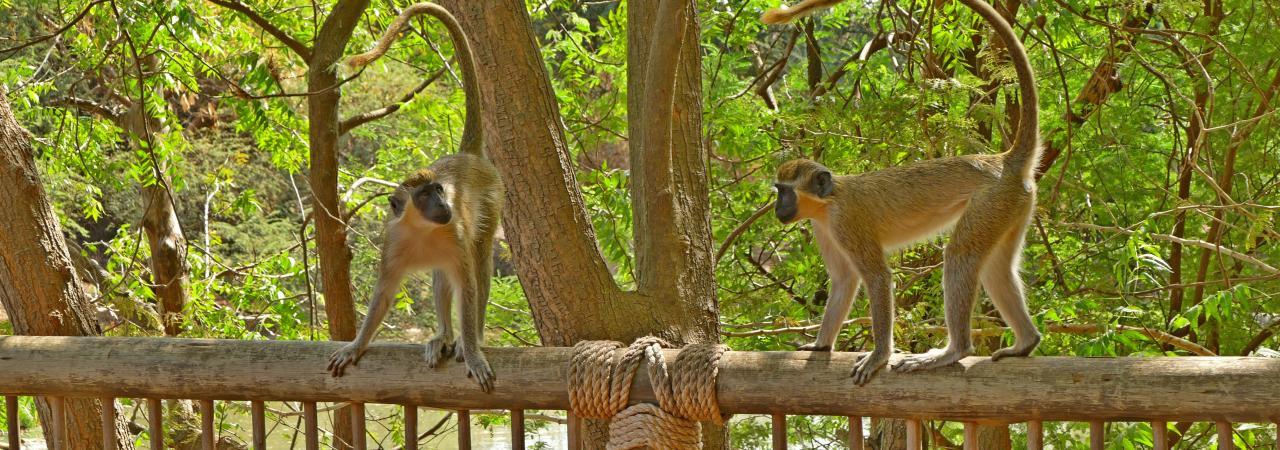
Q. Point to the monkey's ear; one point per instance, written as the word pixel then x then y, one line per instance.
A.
pixel 822 184
pixel 397 204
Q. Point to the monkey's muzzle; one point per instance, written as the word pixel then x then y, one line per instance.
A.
pixel 785 207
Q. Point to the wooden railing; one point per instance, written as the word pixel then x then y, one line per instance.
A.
pixel 1221 390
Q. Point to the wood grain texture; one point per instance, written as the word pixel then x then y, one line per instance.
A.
pixel 1219 389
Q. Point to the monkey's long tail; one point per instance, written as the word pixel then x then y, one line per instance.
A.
pixel 472 139
pixel 1023 157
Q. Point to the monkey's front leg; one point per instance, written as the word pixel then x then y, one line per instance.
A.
pixel 469 307
pixel 383 297
pixel 440 346
pixel 880 291
pixel 844 286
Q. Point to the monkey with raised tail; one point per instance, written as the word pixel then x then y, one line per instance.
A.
pixel 442 218
pixel 987 200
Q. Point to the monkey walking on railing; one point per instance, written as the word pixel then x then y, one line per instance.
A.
pixel 987 200
pixel 443 218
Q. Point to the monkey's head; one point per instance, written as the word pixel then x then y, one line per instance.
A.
pixel 804 188
pixel 421 199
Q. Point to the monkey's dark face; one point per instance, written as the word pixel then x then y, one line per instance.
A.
pixel 803 188
pixel 428 200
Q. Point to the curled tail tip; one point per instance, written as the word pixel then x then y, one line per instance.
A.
pixel 777 16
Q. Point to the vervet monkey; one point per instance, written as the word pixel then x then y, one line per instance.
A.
pixel 986 199
pixel 443 218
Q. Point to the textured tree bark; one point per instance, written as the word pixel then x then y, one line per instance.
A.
pixel 565 279
pixel 331 229
pixel 39 288
pixel 169 269
pixel 570 290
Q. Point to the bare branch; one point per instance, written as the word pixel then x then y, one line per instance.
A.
pixel 360 119
pixel 1178 240
pixel 89 107
pixel 297 46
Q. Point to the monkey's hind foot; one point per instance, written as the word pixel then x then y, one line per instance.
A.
pixel 1016 350
pixel 867 366
pixel 930 360
pixel 438 349
pixel 479 369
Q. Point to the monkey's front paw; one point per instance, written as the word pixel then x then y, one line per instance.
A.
pixel 867 366
pixel 930 360
pixel 814 347
pixel 347 355
pixel 478 368
pixel 438 348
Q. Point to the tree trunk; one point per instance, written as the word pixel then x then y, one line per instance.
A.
pixel 39 288
pixel 570 290
pixel 165 239
pixel 331 228
pixel 552 243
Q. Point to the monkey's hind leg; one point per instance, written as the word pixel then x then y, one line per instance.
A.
pixel 1001 281
pixel 477 365
pixel 977 232
pixel 441 345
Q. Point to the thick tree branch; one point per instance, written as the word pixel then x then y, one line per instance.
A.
pixel 360 119
pixel 89 107
pixel 297 46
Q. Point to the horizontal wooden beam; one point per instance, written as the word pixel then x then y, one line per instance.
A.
pixel 1235 389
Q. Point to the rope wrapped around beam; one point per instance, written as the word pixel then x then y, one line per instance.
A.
pixel 600 386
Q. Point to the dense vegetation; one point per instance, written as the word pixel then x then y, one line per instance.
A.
pixel 1155 235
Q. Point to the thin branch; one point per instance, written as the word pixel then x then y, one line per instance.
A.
pixel 297 46
pixel 1189 242
pixel 360 119
pixel 6 52
pixel 733 235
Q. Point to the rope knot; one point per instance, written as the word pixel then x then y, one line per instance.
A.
pixel 600 388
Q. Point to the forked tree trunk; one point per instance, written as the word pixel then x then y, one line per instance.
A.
pixel 39 288
pixel 558 261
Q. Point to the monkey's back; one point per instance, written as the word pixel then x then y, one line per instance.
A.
pixel 477 189
pixel 922 198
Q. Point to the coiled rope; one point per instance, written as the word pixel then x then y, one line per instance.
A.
pixel 600 388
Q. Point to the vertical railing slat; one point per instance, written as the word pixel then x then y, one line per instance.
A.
pixel 1035 435
pixel 1160 435
pixel 464 429
pixel 855 433
pixel 574 427
pixel 108 422
pixel 1097 435
pixel 779 431
pixel 410 427
pixel 1226 436
pixel 913 434
pixel 970 436
pixel 11 413
pixel 206 425
pixel 517 429
pixel 357 426
pixel 259 413
pixel 312 431
pixel 59 423
pixel 155 416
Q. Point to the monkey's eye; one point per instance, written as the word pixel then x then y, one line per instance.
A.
pixel 439 188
